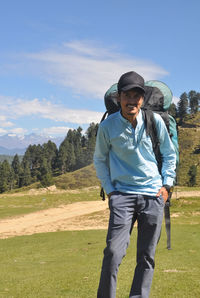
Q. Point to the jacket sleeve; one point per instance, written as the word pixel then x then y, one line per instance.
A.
pixel 167 152
pixel 101 160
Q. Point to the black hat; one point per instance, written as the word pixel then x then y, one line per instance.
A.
pixel 130 80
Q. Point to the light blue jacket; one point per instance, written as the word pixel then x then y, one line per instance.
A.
pixel 124 157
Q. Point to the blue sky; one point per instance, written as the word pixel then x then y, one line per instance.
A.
pixel 58 58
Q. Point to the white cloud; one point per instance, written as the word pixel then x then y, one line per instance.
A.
pixel 2 131
pixel 89 70
pixel 4 122
pixel 14 131
pixel 18 131
pixel 17 108
pixel 6 127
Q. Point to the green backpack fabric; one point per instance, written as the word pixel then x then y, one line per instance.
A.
pixel 158 98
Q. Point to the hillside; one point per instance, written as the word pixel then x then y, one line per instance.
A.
pixel 81 178
pixel 191 121
pixel 189 140
pixel 189 147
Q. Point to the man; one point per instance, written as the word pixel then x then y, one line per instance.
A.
pixel 127 168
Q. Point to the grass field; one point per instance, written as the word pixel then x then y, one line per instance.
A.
pixel 67 264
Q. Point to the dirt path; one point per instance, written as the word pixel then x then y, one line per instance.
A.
pixel 76 216
pixel 66 217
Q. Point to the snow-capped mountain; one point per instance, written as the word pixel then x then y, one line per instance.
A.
pixel 11 144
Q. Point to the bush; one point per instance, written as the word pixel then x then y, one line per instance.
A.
pixel 192 175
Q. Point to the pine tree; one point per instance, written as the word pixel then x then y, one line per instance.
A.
pixel 77 145
pixel 183 106
pixel 12 179
pixel 193 101
pixel 25 174
pixel 173 110
pixel 70 161
pixel 16 169
pixel 62 155
pixel 32 159
pixel 50 152
pixel 66 154
pixel 45 176
pixel 5 176
pixel 90 144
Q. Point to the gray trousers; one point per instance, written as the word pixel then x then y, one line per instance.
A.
pixel 125 209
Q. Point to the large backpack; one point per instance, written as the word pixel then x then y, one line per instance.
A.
pixel 158 98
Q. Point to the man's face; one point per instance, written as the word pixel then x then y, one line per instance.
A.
pixel 131 102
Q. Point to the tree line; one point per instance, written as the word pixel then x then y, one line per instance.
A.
pixel 188 104
pixel 43 162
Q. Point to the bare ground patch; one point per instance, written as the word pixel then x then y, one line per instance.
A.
pixel 65 217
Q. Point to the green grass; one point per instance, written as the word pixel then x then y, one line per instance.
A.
pixel 67 264
pixel 81 178
pixel 18 205
pixel 186 188
pixel 186 210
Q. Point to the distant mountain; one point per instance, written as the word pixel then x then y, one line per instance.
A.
pixel 6 151
pixel 11 144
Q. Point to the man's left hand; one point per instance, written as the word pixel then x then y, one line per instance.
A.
pixel 164 193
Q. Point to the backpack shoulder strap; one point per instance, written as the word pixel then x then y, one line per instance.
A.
pixel 104 116
pixel 151 130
